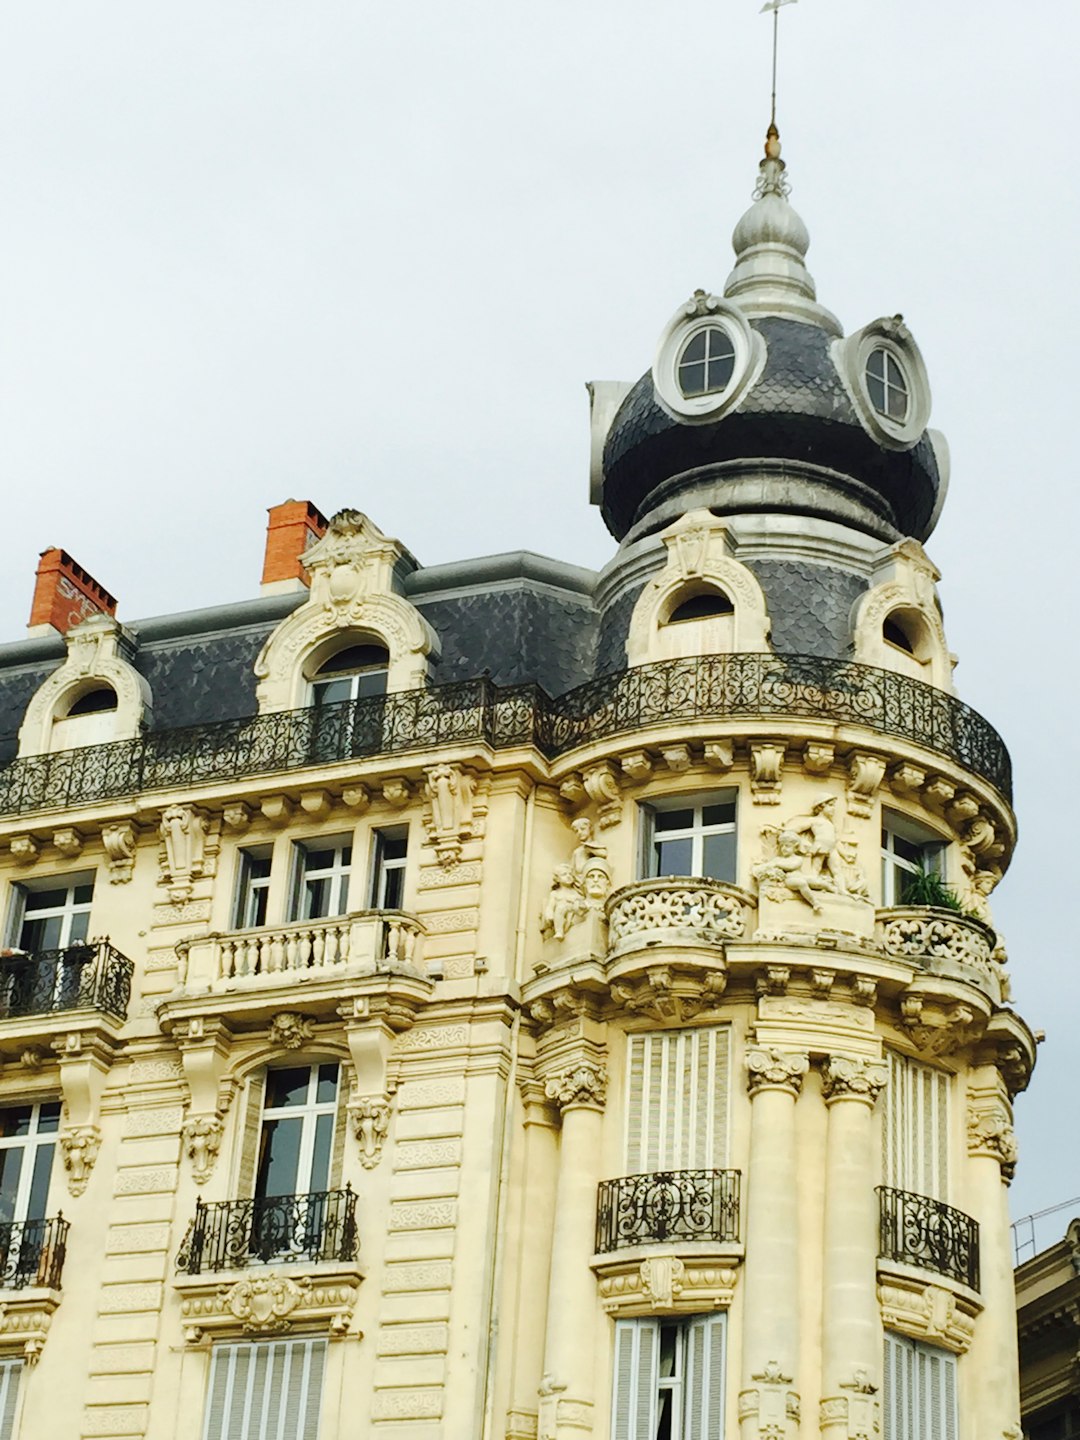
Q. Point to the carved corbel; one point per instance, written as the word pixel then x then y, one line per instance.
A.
pixel 963 809
pixel 573 791
pixel 938 1027
pixel 120 842
pixel 369 1116
pixel 766 771
pixel 818 757
pixel 356 797
pixel 449 819
pixel 719 754
pixel 774 981
pixel 79 1145
pixel 186 849
pixel 277 809
pixel 69 842
pixel 236 817
pixel 290 1030
pixel 677 758
pixel 602 787
pixel 204 1046
pixel 202 1136
pixel 637 766
pixel 396 791
pixel 317 803
pixel 907 779
pixel 865 773
pixel 863 990
pixel 24 849
pixel 939 793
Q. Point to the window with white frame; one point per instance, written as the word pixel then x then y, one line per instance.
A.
pixel 915 1128
pixel 296 1141
pixel 265 1390
pixel 252 888
pixel 389 857
pixel 677 1088
pixel 322 879
pixel 27 1149
pixel 669 1378
pixel 691 836
pixel 10 1379
pixel 351 674
pixel 887 384
pixel 51 914
pixel 908 851
pixel 919 1396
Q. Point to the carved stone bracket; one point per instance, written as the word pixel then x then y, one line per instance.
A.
pixel 289 1030
pixel 663 1281
pixel 79 1145
pixel 188 849
pixel 120 842
pixel 670 994
pixel 202 1136
pixel 369 1116
pixel 270 1303
pixel 602 787
pixel 850 1078
pixel 927 1311
pixel 940 1025
pixel 766 771
pixel 450 812
pixel 84 1059
pixel 865 774
pixel 772 1069
pixel 25 1320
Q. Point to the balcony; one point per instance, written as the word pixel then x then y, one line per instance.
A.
pixel 313 1237
pixel 928 1235
pixel 89 976
pixel 667 1207
pixel 32 1253
pixel 704 688
pixel 672 911
pixel 940 942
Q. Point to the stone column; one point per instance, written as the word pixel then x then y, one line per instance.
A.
pixel 851 1320
pixel 566 1392
pixel 991 1164
pixel 768 1406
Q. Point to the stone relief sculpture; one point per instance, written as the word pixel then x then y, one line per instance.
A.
pixel 787 870
pixel 579 886
pixel 450 820
pixel 809 859
pixel 183 832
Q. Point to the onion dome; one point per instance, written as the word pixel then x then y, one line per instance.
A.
pixel 757 402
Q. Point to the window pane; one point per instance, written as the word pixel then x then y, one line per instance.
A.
pixel 39 1184
pixel 257 867
pixel 327 1086
pixel 875 366
pixel 10 1169
pixel 332 692
pixel 280 1159
pixel 394 848
pixel 673 820
pixel 695 350
pixel 877 393
pixel 393 888
pixel 41 934
pixel 719 814
pixel 80 924
pixel 673 857
pixel 320 1160
pixel 49 1117
pixel 15 1121
pixel 719 860
pixel 371 682
pixel 45 900
pixel 908 850
pixel 692 379
pixel 720 371
pixel 316 899
pixel 287 1087
pixel 897 404
pixel 84 894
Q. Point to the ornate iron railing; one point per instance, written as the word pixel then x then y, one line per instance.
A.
pixel 92 975
pixel 32 1253
pixel 707 687
pixel 930 1234
pixel 270 1230
pixel 667 1205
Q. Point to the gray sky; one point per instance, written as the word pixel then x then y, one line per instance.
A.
pixel 369 254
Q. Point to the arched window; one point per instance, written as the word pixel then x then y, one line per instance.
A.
pixel 896 634
pixel 351 674
pixel 93 702
pixel 707 362
pixel 706 605
pixel 887 385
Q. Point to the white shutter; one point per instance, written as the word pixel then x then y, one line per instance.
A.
pixel 677 1100
pixel 633 1401
pixel 705 1377
pixel 915 1128
pixel 920 1391
pixel 10 1375
pixel 268 1390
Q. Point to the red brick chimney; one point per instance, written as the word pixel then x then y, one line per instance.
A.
pixel 291 529
pixel 64 593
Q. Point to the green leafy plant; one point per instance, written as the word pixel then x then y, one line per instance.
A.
pixel 926 887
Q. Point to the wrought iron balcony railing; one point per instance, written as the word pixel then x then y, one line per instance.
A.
pixel 708 687
pixel 92 975
pixel 930 1234
pixel 32 1253
pixel 666 1206
pixel 270 1230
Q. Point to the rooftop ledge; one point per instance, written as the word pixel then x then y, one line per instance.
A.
pixel 704 688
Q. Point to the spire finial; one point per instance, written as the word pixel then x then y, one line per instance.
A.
pixel 773 7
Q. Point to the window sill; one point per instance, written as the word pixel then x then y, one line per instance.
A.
pixel 925 1306
pixel 25 1318
pixel 270 1300
pixel 687 1278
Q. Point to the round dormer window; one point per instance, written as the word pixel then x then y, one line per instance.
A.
pixel 707 359
pixel 707 363
pixel 887 385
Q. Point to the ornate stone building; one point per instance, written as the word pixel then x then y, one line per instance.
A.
pixel 1048 1318
pixel 535 1003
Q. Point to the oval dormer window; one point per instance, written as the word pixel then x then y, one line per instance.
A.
pixel 707 363
pixel 887 385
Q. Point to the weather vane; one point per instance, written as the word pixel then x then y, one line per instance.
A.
pixel 774 7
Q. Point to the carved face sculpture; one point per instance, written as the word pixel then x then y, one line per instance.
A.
pixel 582 828
pixel 597 882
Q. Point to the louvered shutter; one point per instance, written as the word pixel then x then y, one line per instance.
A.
pixel 704 1404
pixel 270 1390
pixel 633 1404
pixel 915 1128
pixel 920 1391
pixel 898 1389
pixel 10 1376
pixel 248 1160
pixel 677 1100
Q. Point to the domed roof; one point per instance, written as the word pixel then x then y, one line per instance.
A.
pixel 797 419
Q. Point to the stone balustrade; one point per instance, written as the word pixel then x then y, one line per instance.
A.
pixel 675 911
pixel 303 949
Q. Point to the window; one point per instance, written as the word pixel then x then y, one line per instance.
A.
pixel 707 362
pixel 253 889
pixel 677 1100
pixel 919 1394
pixel 893 633
pixel 53 915
pixel 93 702
pixel 10 1376
pixel 388 869
pixel 669 1379
pixel 27 1147
pixel 887 385
pixel 704 606
pixel 692 837
pixel 297 1136
pixel 265 1390
pixel 351 674
pixel 907 851
pixel 322 880
pixel 915 1128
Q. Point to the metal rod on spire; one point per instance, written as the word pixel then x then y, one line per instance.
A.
pixel 774 7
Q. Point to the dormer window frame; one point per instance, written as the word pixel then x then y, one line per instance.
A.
pixel 852 357
pixel 701 314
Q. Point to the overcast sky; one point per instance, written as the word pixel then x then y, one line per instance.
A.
pixel 368 253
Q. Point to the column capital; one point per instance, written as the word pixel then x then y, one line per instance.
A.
pixel 990 1135
pixel 582 1084
pixel 770 1069
pixel 850 1078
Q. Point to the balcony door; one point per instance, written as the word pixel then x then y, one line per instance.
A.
pixel 296 1148
pixel 49 923
pixel 27 1149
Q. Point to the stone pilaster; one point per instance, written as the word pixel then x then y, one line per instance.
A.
pixel 851 1322
pixel 769 1397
